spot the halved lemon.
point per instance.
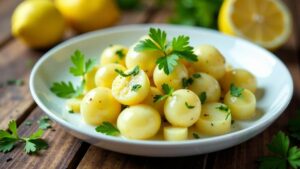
(265, 22)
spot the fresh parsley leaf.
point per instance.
(64, 90)
(134, 72)
(186, 82)
(158, 98)
(71, 111)
(44, 122)
(225, 109)
(136, 87)
(236, 91)
(158, 41)
(294, 126)
(202, 97)
(78, 59)
(33, 143)
(108, 129)
(189, 106)
(147, 44)
(282, 153)
(180, 46)
(120, 54)
(196, 135)
(168, 63)
(196, 75)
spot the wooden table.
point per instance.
(66, 151)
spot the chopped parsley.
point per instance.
(168, 91)
(196, 135)
(134, 72)
(202, 97)
(186, 82)
(196, 75)
(120, 53)
(225, 109)
(188, 106)
(136, 87)
(236, 91)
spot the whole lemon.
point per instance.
(38, 23)
(90, 15)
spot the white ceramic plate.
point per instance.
(274, 82)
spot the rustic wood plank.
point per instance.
(97, 158)
(62, 148)
(6, 10)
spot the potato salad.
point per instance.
(159, 87)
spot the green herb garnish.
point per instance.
(33, 143)
(225, 109)
(196, 75)
(134, 72)
(236, 91)
(202, 97)
(186, 82)
(136, 87)
(16, 82)
(168, 91)
(171, 52)
(196, 135)
(189, 106)
(44, 122)
(120, 54)
(108, 129)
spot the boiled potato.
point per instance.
(132, 89)
(208, 84)
(139, 122)
(106, 74)
(149, 100)
(175, 133)
(210, 61)
(238, 77)
(98, 106)
(215, 119)
(74, 104)
(146, 60)
(90, 79)
(183, 108)
(114, 54)
(174, 79)
(243, 106)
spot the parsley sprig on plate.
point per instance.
(283, 153)
(178, 48)
(168, 90)
(33, 143)
(108, 129)
(81, 66)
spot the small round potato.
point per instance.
(174, 79)
(98, 105)
(209, 85)
(139, 122)
(175, 133)
(215, 119)
(146, 60)
(210, 61)
(243, 106)
(149, 100)
(132, 89)
(106, 74)
(90, 79)
(183, 108)
(239, 77)
(114, 54)
(74, 104)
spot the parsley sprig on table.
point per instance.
(33, 143)
(108, 129)
(80, 68)
(294, 126)
(168, 90)
(178, 48)
(283, 153)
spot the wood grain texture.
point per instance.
(62, 148)
(97, 158)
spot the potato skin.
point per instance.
(177, 112)
(106, 74)
(242, 107)
(110, 55)
(210, 61)
(240, 78)
(98, 105)
(174, 79)
(213, 121)
(139, 122)
(207, 84)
